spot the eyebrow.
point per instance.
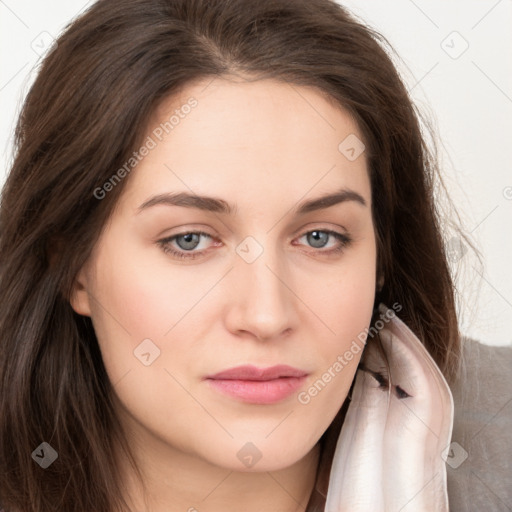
(217, 205)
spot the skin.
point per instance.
(266, 146)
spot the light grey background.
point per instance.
(456, 61)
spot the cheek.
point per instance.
(140, 298)
(344, 304)
(343, 299)
(143, 295)
(129, 306)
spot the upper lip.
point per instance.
(248, 372)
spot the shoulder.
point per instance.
(480, 469)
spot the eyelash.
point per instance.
(344, 242)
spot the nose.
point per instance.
(262, 301)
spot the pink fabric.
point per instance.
(391, 451)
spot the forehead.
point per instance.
(249, 138)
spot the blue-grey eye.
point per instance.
(318, 238)
(191, 241)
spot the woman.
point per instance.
(219, 246)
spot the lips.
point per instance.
(258, 385)
(248, 372)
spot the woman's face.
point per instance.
(271, 281)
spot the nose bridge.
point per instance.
(259, 266)
(263, 300)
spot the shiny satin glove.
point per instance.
(389, 455)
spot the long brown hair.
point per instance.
(82, 119)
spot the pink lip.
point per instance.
(258, 385)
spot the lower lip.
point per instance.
(258, 392)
